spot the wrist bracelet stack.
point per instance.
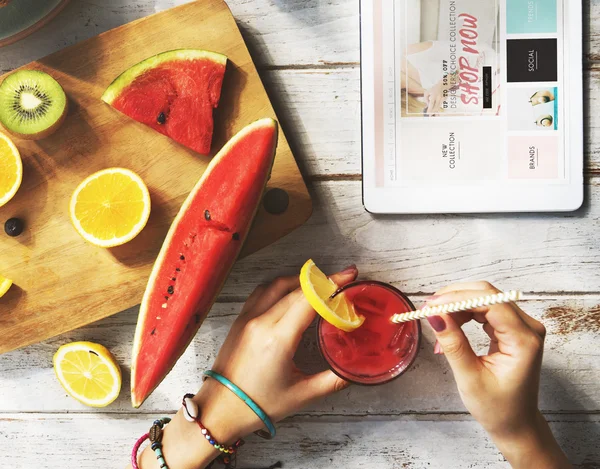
(191, 413)
(155, 437)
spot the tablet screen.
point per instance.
(468, 92)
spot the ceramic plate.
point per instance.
(20, 18)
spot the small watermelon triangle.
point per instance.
(175, 93)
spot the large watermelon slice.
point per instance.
(198, 253)
(174, 93)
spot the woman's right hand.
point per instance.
(499, 389)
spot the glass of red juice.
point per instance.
(379, 350)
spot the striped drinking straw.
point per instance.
(465, 305)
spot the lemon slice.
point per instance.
(5, 284)
(11, 169)
(88, 372)
(318, 289)
(110, 207)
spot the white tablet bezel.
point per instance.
(479, 198)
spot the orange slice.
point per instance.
(11, 169)
(110, 207)
(88, 372)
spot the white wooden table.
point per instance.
(308, 55)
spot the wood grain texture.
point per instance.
(569, 378)
(281, 33)
(61, 282)
(307, 52)
(534, 253)
(321, 111)
(405, 443)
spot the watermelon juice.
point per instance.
(379, 350)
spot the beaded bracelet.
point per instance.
(191, 413)
(155, 437)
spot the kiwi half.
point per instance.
(32, 104)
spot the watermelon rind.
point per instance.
(129, 75)
(137, 400)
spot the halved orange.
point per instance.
(110, 207)
(88, 372)
(11, 169)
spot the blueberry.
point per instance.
(14, 227)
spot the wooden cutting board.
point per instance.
(61, 282)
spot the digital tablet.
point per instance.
(471, 105)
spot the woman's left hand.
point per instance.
(258, 356)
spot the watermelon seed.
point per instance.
(153, 331)
(161, 118)
(170, 290)
(206, 215)
(173, 278)
(235, 236)
(167, 298)
(178, 269)
(182, 257)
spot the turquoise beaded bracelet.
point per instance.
(247, 400)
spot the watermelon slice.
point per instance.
(198, 253)
(174, 93)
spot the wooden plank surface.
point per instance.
(400, 443)
(535, 253)
(307, 52)
(569, 378)
(61, 281)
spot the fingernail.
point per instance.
(437, 323)
(437, 348)
(431, 298)
(349, 270)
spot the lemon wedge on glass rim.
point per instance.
(88, 372)
(319, 289)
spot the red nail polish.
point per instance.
(437, 323)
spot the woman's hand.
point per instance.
(258, 355)
(499, 389)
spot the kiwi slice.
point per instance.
(32, 104)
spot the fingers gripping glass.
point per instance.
(378, 351)
(248, 401)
